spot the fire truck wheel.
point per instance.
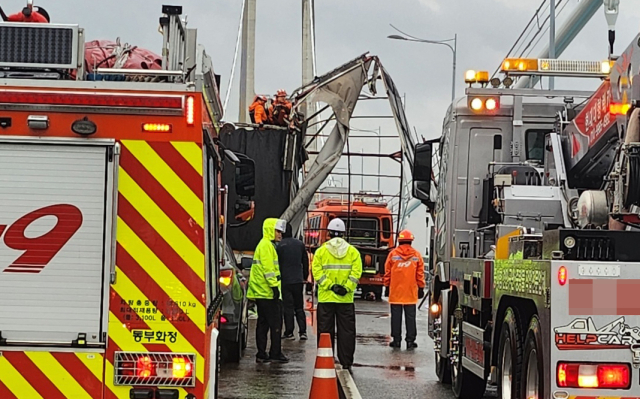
(443, 365)
(509, 357)
(532, 362)
(464, 383)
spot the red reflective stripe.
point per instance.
(80, 373)
(5, 393)
(180, 166)
(488, 278)
(162, 198)
(79, 99)
(30, 372)
(152, 290)
(157, 244)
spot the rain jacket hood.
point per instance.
(269, 229)
(337, 247)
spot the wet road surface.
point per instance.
(379, 371)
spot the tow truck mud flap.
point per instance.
(42, 374)
(444, 319)
(473, 356)
(595, 329)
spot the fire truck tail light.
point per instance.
(157, 128)
(154, 369)
(619, 109)
(605, 376)
(144, 367)
(190, 111)
(562, 275)
(181, 367)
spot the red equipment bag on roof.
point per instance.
(110, 54)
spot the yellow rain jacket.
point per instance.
(337, 262)
(265, 271)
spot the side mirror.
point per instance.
(245, 264)
(422, 170)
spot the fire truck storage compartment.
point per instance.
(55, 241)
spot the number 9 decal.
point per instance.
(39, 251)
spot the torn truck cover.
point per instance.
(340, 89)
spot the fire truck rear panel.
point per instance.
(115, 296)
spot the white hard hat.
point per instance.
(281, 225)
(337, 225)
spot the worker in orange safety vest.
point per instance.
(280, 109)
(257, 110)
(404, 277)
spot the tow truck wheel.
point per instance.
(464, 383)
(532, 362)
(509, 357)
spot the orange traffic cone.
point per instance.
(325, 383)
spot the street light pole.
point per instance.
(454, 50)
(455, 56)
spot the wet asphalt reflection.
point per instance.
(379, 371)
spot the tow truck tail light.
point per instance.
(619, 109)
(562, 275)
(605, 376)
(225, 277)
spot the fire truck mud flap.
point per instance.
(56, 235)
(595, 329)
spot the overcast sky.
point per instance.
(486, 29)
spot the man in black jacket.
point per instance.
(294, 271)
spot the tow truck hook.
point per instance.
(635, 348)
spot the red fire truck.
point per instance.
(369, 228)
(110, 220)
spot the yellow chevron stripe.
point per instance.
(128, 291)
(58, 375)
(170, 284)
(123, 338)
(161, 223)
(163, 173)
(93, 361)
(190, 151)
(121, 392)
(15, 381)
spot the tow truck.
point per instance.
(111, 218)
(536, 262)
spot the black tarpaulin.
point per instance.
(266, 148)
